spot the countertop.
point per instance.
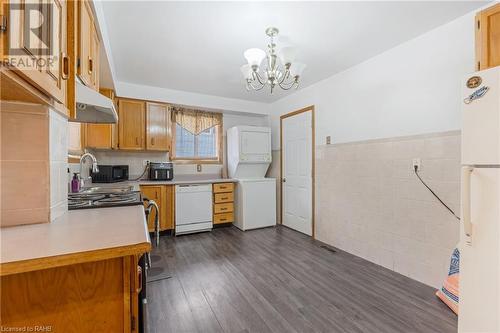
(189, 179)
(78, 236)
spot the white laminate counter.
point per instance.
(189, 179)
(81, 235)
(178, 180)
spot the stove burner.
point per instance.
(87, 197)
(85, 200)
(122, 195)
(114, 200)
(78, 203)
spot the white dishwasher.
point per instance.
(193, 208)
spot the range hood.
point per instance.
(92, 107)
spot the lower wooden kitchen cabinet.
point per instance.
(223, 203)
(97, 296)
(163, 195)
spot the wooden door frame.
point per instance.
(309, 108)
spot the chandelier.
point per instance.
(284, 73)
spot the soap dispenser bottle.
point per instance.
(75, 183)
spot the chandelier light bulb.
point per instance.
(287, 54)
(296, 69)
(254, 56)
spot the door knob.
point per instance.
(284, 180)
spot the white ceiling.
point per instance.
(198, 46)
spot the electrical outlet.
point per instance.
(145, 162)
(416, 163)
(198, 167)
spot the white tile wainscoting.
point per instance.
(58, 155)
(370, 203)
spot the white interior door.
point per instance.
(297, 172)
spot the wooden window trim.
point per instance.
(195, 160)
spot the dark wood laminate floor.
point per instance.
(278, 280)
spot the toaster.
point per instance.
(161, 171)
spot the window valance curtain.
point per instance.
(196, 121)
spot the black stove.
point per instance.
(101, 200)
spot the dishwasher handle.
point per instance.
(193, 188)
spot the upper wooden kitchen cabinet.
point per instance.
(158, 135)
(131, 124)
(94, 57)
(488, 38)
(101, 136)
(41, 60)
(88, 45)
(98, 136)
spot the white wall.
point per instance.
(207, 102)
(411, 89)
(231, 120)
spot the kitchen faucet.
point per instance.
(95, 169)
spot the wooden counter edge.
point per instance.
(72, 258)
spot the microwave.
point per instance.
(110, 174)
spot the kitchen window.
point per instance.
(197, 136)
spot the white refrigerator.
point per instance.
(479, 304)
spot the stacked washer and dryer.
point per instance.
(248, 158)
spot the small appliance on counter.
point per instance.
(161, 171)
(110, 174)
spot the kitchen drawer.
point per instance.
(223, 187)
(224, 197)
(223, 208)
(223, 218)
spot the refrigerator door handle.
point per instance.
(466, 203)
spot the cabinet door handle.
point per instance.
(152, 141)
(136, 140)
(91, 65)
(139, 278)
(223, 209)
(64, 66)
